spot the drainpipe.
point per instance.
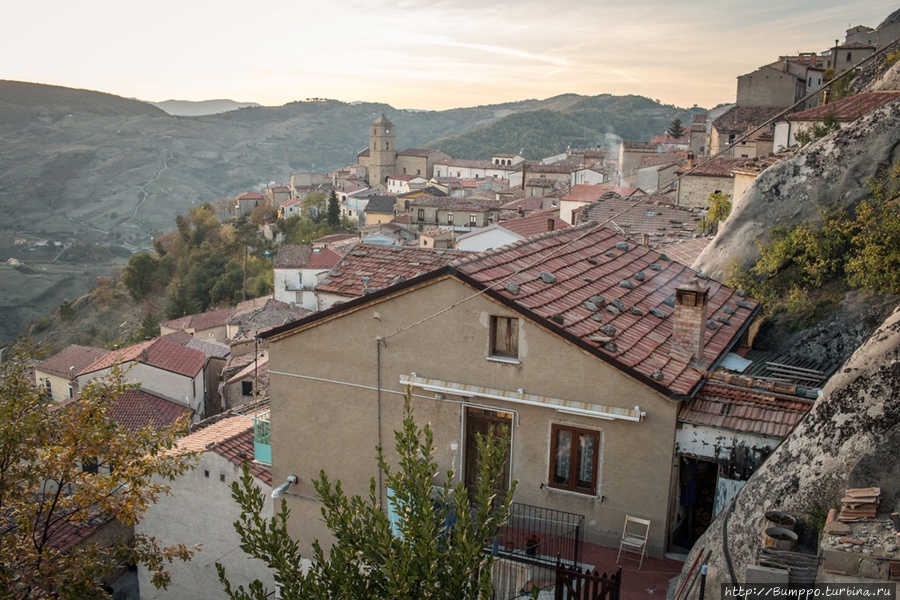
(379, 343)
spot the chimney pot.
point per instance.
(689, 320)
(551, 224)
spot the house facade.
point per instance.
(58, 374)
(711, 176)
(589, 396)
(297, 270)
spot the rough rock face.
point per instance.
(836, 338)
(793, 190)
(850, 438)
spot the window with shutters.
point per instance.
(505, 337)
(574, 454)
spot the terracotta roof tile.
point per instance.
(381, 203)
(467, 164)
(636, 146)
(686, 251)
(333, 238)
(175, 358)
(250, 196)
(449, 203)
(383, 266)
(528, 204)
(739, 405)
(305, 257)
(123, 355)
(73, 356)
(589, 261)
(848, 109)
(534, 224)
(635, 216)
(231, 438)
(584, 192)
(136, 408)
(201, 321)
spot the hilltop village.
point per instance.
(552, 300)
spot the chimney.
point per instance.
(551, 224)
(690, 160)
(689, 321)
(145, 355)
(645, 240)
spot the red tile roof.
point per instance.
(250, 196)
(588, 262)
(467, 164)
(334, 237)
(634, 146)
(848, 109)
(175, 358)
(636, 217)
(584, 192)
(161, 354)
(384, 266)
(136, 408)
(451, 203)
(201, 321)
(687, 250)
(231, 438)
(738, 404)
(528, 204)
(73, 356)
(305, 257)
(534, 224)
(404, 177)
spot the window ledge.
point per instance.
(587, 496)
(503, 359)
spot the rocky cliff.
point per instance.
(795, 189)
(850, 438)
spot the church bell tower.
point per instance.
(382, 151)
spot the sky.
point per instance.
(414, 54)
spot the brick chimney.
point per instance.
(690, 160)
(689, 321)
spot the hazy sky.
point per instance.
(414, 53)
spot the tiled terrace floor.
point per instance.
(651, 581)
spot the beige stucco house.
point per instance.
(579, 344)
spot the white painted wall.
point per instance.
(489, 237)
(59, 386)
(200, 510)
(178, 388)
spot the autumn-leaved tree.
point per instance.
(434, 549)
(65, 470)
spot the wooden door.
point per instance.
(482, 422)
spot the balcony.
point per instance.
(262, 439)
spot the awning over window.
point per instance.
(587, 409)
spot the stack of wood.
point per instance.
(859, 504)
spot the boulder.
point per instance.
(830, 170)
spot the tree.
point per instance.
(313, 206)
(719, 206)
(418, 556)
(334, 210)
(675, 129)
(148, 330)
(63, 467)
(66, 312)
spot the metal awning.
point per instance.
(598, 411)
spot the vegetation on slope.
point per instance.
(804, 272)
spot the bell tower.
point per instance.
(382, 151)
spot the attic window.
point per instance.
(505, 337)
(246, 388)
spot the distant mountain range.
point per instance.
(188, 108)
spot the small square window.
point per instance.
(421, 214)
(247, 388)
(221, 476)
(505, 337)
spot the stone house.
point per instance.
(770, 85)
(400, 183)
(249, 384)
(740, 121)
(58, 374)
(210, 325)
(419, 161)
(711, 176)
(245, 203)
(580, 345)
(437, 237)
(631, 155)
(566, 172)
(199, 509)
(582, 195)
(297, 270)
(846, 56)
